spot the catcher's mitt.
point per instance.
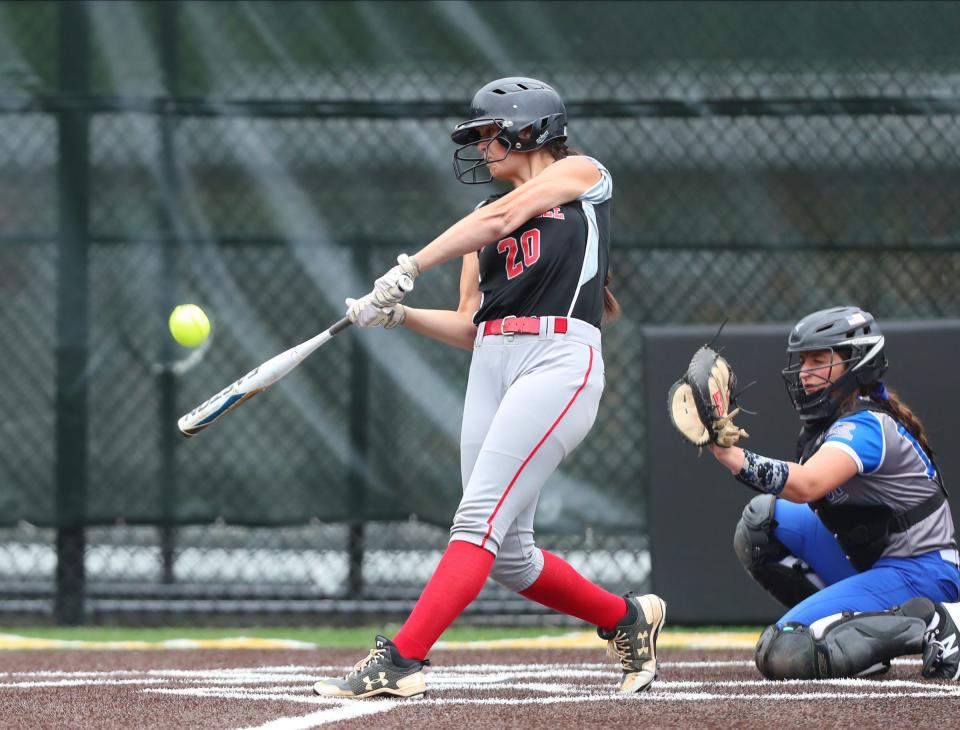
(701, 404)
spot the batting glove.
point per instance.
(390, 288)
(363, 312)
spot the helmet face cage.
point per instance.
(469, 163)
(848, 331)
(529, 114)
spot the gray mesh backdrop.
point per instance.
(265, 160)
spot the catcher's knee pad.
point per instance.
(766, 559)
(787, 652)
(842, 645)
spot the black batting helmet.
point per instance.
(511, 106)
(855, 336)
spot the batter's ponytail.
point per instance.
(558, 149)
(611, 307)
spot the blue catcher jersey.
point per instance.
(554, 264)
(893, 471)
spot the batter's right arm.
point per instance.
(452, 327)
(560, 183)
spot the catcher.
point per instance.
(855, 537)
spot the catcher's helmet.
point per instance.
(855, 336)
(511, 105)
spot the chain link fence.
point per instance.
(265, 160)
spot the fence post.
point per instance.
(72, 358)
(359, 446)
(169, 291)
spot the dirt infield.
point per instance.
(515, 688)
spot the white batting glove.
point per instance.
(390, 288)
(363, 312)
(395, 316)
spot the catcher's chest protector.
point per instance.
(902, 478)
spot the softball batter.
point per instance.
(878, 530)
(532, 296)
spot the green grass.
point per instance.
(713, 629)
(322, 636)
(328, 637)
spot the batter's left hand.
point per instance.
(390, 288)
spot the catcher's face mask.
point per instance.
(849, 332)
(819, 382)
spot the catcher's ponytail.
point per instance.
(611, 307)
(891, 402)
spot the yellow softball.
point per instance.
(189, 325)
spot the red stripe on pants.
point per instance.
(526, 461)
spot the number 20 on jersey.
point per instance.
(529, 247)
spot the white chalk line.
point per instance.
(655, 696)
(571, 693)
(286, 669)
(319, 670)
(445, 684)
(283, 682)
(346, 711)
(78, 683)
(475, 676)
(852, 682)
(233, 693)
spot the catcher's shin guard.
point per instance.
(766, 559)
(849, 645)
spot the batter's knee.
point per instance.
(469, 528)
(766, 559)
(517, 572)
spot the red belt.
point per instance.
(521, 326)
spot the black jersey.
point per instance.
(554, 264)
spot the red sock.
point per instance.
(459, 576)
(563, 589)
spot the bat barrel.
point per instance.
(258, 379)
